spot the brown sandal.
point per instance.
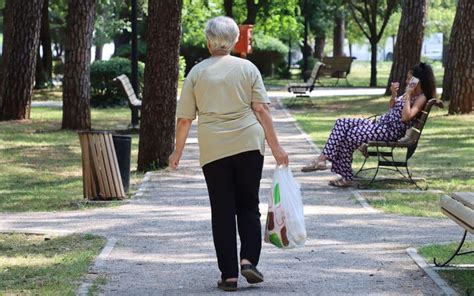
(315, 165)
(341, 183)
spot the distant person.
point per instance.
(228, 95)
(349, 133)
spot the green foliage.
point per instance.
(105, 92)
(268, 54)
(58, 67)
(195, 13)
(268, 43)
(125, 51)
(107, 22)
(441, 17)
(182, 68)
(281, 20)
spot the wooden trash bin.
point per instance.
(100, 169)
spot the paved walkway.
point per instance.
(164, 244)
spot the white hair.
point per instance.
(222, 33)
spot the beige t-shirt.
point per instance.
(220, 91)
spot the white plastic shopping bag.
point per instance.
(285, 220)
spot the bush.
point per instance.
(182, 68)
(192, 55)
(268, 54)
(125, 51)
(105, 92)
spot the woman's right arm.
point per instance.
(393, 89)
(182, 130)
(262, 112)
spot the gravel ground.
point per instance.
(164, 243)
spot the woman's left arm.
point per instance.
(409, 112)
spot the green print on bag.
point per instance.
(275, 228)
(276, 194)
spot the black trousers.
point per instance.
(233, 183)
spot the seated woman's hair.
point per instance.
(222, 33)
(424, 72)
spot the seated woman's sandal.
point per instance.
(341, 183)
(315, 165)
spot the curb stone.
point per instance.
(413, 253)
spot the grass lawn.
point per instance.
(47, 94)
(359, 76)
(443, 156)
(33, 265)
(460, 279)
(40, 165)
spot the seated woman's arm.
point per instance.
(409, 112)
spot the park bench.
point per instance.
(134, 102)
(305, 88)
(460, 208)
(336, 67)
(386, 159)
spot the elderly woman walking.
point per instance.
(228, 96)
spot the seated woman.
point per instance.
(349, 133)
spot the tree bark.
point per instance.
(319, 44)
(44, 63)
(99, 49)
(373, 63)
(339, 33)
(228, 7)
(253, 9)
(76, 82)
(407, 50)
(458, 86)
(7, 40)
(157, 127)
(23, 24)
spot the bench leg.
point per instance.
(456, 253)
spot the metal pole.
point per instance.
(134, 81)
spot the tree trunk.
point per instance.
(76, 82)
(123, 38)
(319, 44)
(45, 37)
(157, 127)
(99, 49)
(228, 6)
(407, 49)
(445, 54)
(373, 63)
(339, 33)
(7, 32)
(306, 50)
(289, 57)
(252, 10)
(366, 15)
(458, 84)
(19, 73)
(44, 62)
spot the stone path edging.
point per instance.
(412, 252)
